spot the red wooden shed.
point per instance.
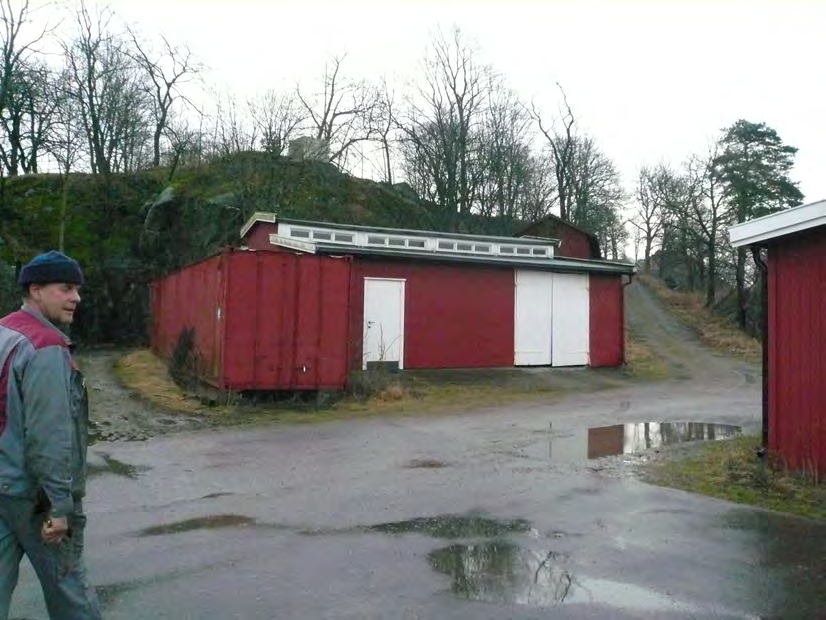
(573, 241)
(302, 304)
(795, 395)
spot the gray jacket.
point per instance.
(44, 413)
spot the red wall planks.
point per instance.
(191, 298)
(258, 238)
(287, 322)
(455, 316)
(282, 323)
(797, 364)
(607, 330)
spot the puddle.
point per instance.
(455, 526)
(425, 464)
(505, 573)
(593, 443)
(115, 467)
(198, 523)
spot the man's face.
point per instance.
(56, 301)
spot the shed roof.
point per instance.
(271, 218)
(780, 224)
(550, 264)
(432, 253)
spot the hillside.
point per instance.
(135, 227)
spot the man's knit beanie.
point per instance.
(51, 267)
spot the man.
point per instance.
(43, 438)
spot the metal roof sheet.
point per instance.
(548, 264)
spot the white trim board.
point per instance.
(258, 216)
(293, 244)
(779, 224)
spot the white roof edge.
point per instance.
(258, 216)
(779, 224)
(293, 244)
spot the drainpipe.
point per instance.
(764, 342)
(624, 328)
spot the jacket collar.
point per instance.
(46, 322)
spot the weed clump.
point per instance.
(731, 470)
(183, 364)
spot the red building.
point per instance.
(795, 361)
(573, 241)
(302, 304)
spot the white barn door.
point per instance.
(571, 320)
(383, 320)
(532, 325)
(551, 319)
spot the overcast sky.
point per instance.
(650, 80)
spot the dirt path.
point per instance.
(679, 347)
(117, 413)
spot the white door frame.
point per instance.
(397, 342)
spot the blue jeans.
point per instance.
(59, 568)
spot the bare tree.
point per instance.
(615, 236)
(166, 72)
(682, 250)
(647, 220)
(706, 210)
(65, 142)
(23, 86)
(539, 197)
(443, 124)
(231, 132)
(594, 184)
(343, 113)
(185, 144)
(112, 99)
(561, 142)
(276, 118)
(386, 123)
(506, 156)
(27, 117)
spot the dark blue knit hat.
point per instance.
(50, 267)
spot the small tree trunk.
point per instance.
(64, 203)
(711, 286)
(647, 265)
(740, 278)
(389, 176)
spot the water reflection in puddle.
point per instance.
(592, 443)
(455, 526)
(503, 572)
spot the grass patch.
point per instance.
(377, 393)
(148, 375)
(641, 362)
(443, 392)
(730, 470)
(715, 331)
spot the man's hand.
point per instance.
(54, 529)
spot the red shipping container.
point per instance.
(262, 320)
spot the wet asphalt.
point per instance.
(472, 515)
(458, 517)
